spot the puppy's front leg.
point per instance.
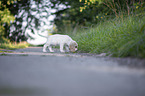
(61, 48)
(67, 48)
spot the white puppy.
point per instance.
(61, 40)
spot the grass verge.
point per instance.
(120, 37)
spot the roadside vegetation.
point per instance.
(119, 37)
(6, 44)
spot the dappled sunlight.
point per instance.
(13, 45)
(36, 37)
(37, 41)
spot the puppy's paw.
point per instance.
(51, 51)
(44, 51)
(62, 51)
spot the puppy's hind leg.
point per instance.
(50, 48)
(44, 48)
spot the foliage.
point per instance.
(116, 6)
(70, 14)
(27, 14)
(117, 37)
(4, 40)
(89, 12)
(5, 16)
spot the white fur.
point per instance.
(61, 40)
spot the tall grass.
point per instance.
(119, 37)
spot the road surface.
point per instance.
(29, 72)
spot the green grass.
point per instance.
(6, 44)
(120, 37)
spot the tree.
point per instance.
(117, 7)
(27, 15)
(5, 16)
(70, 13)
(88, 12)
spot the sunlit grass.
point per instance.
(6, 44)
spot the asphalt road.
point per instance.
(29, 72)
